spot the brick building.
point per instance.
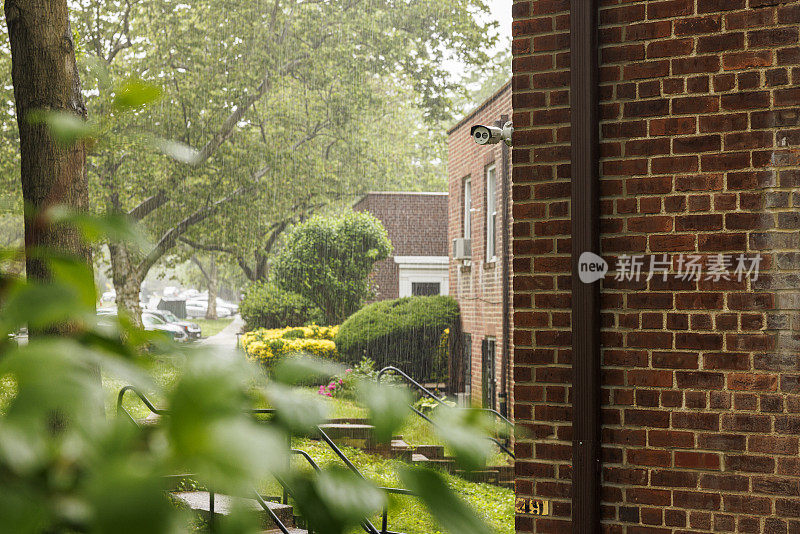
(417, 227)
(698, 130)
(478, 251)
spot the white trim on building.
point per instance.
(420, 270)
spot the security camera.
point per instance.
(491, 135)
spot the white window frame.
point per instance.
(491, 213)
(467, 199)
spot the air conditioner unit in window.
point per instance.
(462, 249)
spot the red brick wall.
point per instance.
(417, 226)
(477, 284)
(699, 145)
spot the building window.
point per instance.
(425, 289)
(467, 208)
(491, 212)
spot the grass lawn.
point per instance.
(212, 327)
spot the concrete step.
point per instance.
(433, 452)
(400, 449)
(223, 504)
(353, 435)
(348, 421)
(506, 472)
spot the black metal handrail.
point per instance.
(160, 411)
(366, 525)
(441, 402)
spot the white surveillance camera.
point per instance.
(491, 135)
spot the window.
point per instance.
(425, 289)
(491, 212)
(467, 208)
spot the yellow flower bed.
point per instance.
(267, 346)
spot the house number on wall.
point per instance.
(532, 507)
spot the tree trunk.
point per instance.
(127, 282)
(46, 78)
(213, 288)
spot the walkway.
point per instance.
(227, 337)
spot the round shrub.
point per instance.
(267, 306)
(406, 333)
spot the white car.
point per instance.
(152, 322)
(192, 329)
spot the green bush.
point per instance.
(266, 306)
(406, 333)
(328, 260)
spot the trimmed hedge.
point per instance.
(267, 306)
(406, 333)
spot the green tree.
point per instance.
(328, 261)
(291, 106)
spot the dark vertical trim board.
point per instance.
(506, 282)
(585, 297)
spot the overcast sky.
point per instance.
(501, 12)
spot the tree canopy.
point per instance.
(275, 109)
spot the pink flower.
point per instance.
(348, 370)
(341, 382)
(328, 394)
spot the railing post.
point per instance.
(211, 511)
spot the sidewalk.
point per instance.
(227, 337)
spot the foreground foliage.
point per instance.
(66, 467)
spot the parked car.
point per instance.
(197, 307)
(153, 322)
(193, 330)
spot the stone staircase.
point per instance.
(359, 433)
(199, 501)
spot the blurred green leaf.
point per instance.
(298, 411)
(42, 305)
(452, 514)
(23, 509)
(302, 369)
(388, 408)
(114, 227)
(178, 151)
(66, 128)
(98, 70)
(466, 433)
(77, 276)
(134, 94)
(335, 500)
